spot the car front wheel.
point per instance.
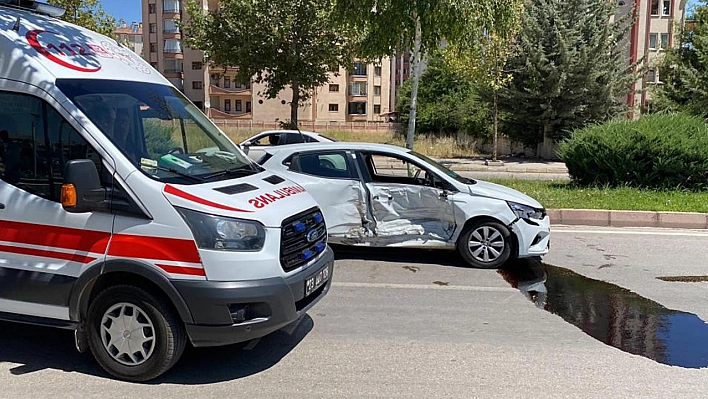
(134, 335)
(485, 244)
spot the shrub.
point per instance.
(662, 151)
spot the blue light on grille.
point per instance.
(320, 247)
(317, 217)
(299, 227)
(308, 254)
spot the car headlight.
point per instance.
(222, 233)
(527, 212)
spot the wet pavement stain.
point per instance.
(414, 269)
(441, 282)
(612, 314)
(684, 279)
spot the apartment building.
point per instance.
(362, 94)
(132, 35)
(657, 24)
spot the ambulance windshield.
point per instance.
(159, 130)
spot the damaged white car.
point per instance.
(385, 196)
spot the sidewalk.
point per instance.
(508, 168)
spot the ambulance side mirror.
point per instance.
(82, 191)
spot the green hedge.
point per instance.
(663, 151)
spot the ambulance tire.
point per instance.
(154, 324)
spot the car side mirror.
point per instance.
(82, 191)
(245, 147)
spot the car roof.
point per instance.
(338, 145)
(288, 131)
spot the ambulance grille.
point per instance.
(302, 238)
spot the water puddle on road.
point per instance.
(613, 315)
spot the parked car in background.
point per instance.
(382, 195)
(255, 146)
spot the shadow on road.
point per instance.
(38, 348)
(399, 255)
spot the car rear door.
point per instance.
(330, 177)
(406, 200)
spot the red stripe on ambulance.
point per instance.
(47, 254)
(160, 248)
(53, 236)
(184, 195)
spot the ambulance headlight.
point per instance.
(222, 233)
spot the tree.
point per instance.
(89, 14)
(387, 25)
(684, 71)
(280, 43)
(569, 69)
(482, 56)
(447, 103)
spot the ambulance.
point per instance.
(127, 216)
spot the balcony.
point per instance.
(215, 89)
(171, 34)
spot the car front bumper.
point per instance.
(227, 312)
(534, 236)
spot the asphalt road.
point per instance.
(415, 323)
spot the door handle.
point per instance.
(388, 197)
(2, 206)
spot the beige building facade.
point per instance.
(362, 94)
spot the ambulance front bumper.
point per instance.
(227, 312)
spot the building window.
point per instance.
(171, 6)
(196, 65)
(199, 104)
(197, 85)
(173, 65)
(227, 84)
(664, 40)
(357, 89)
(377, 70)
(377, 90)
(152, 9)
(666, 9)
(334, 108)
(651, 76)
(333, 88)
(153, 28)
(377, 109)
(654, 7)
(173, 46)
(153, 64)
(359, 69)
(357, 108)
(334, 68)
(248, 106)
(652, 41)
(238, 106)
(227, 105)
(153, 47)
(169, 26)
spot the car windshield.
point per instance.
(159, 130)
(443, 169)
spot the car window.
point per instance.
(267, 140)
(330, 165)
(391, 169)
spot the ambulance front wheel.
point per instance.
(134, 335)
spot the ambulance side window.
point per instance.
(35, 144)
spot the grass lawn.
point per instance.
(557, 195)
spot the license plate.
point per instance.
(316, 281)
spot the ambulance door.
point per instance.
(43, 248)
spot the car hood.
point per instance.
(263, 197)
(497, 191)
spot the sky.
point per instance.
(129, 10)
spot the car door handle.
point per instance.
(388, 197)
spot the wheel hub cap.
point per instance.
(128, 334)
(486, 244)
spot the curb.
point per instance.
(607, 218)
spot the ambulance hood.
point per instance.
(44, 49)
(263, 197)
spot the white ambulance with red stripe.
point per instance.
(127, 216)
